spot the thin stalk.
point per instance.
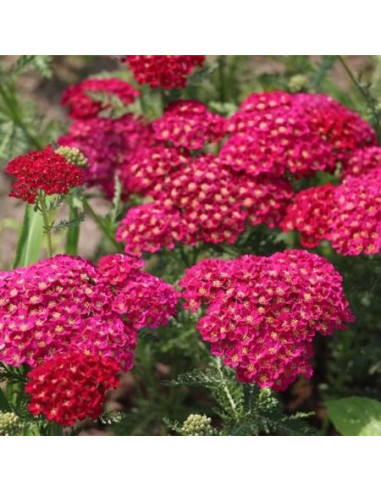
(225, 387)
(47, 225)
(221, 77)
(73, 232)
(101, 225)
(368, 98)
(352, 77)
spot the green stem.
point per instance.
(101, 225)
(367, 96)
(225, 386)
(221, 75)
(352, 77)
(73, 232)
(47, 225)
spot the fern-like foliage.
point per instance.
(243, 409)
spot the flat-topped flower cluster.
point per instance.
(262, 313)
(65, 305)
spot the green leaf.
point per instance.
(355, 416)
(4, 405)
(30, 240)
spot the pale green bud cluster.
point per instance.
(73, 155)
(197, 425)
(10, 424)
(297, 83)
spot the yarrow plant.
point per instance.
(70, 387)
(206, 190)
(264, 312)
(67, 303)
(347, 215)
(42, 170)
(167, 71)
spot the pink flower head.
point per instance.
(203, 200)
(256, 104)
(151, 166)
(42, 170)
(348, 215)
(65, 303)
(264, 312)
(340, 127)
(148, 227)
(361, 161)
(167, 71)
(277, 132)
(309, 213)
(82, 105)
(355, 221)
(189, 124)
(264, 198)
(109, 146)
(278, 141)
(205, 195)
(71, 387)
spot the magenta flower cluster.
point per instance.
(66, 303)
(202, 200)
(348, 215)
(262, 313)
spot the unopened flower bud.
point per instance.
(72, 155)
(297, 83)
(197, 425)
(10, 424)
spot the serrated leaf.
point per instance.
(355, 416)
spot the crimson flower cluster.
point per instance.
(348, 215)
(355, 220)
(189, 124)
(277, 133)
(262, 313)
(202, 200)
(150, 166)
(66, 303)
(309, 213)
(362, 161)
(43, 170)
(82, 105)
(167, 71)
(70, 387)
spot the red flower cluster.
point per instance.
(278, 132)
(348, 215)
(150, 166)
(66, 303)
(189, 124)
(263, 312)
(342, 128)
(71, 387)
(362, 161)
(149, 227)
(309, 214)
(110, 146)
(355, 219)
(202, 201)
(167, 71)
(82, 105)
(43, 170)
